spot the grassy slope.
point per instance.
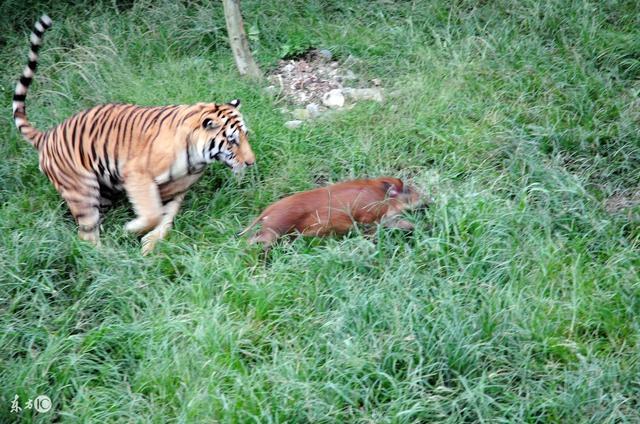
(516, 299)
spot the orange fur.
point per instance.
(154, 154)
(334, 209)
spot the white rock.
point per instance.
(333, 98)
(301, 114)
(289, 68)
(395, 93)
(293, 124)
(325, 54)
(364, 94)
(313, 109)
(348, 75)
(334, 113)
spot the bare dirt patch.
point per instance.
(308, 78)
(314, 83)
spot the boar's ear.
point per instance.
(390, 189)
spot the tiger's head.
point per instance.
(221, 135)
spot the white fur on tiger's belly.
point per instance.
(178, 169)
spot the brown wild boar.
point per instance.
(336, 208)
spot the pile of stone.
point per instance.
(316, 84)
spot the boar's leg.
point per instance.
(402, 224)
(265, 236)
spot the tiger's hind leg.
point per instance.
(84, 206)
(145, 198)
(105, 202)
(169, 212)
(89, 225)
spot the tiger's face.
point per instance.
(222, 136)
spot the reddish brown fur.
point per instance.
(334, 209)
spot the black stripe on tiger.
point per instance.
(26, 81)
(30, 133)
(45, 21)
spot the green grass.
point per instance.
(516, 299)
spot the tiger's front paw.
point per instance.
(141, 224)
(150, 240)
(92, 237)
(149, 243)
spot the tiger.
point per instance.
(151, 153)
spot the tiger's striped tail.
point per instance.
(30, 133)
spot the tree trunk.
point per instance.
(238, 40)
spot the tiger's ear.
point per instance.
(235, 103)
